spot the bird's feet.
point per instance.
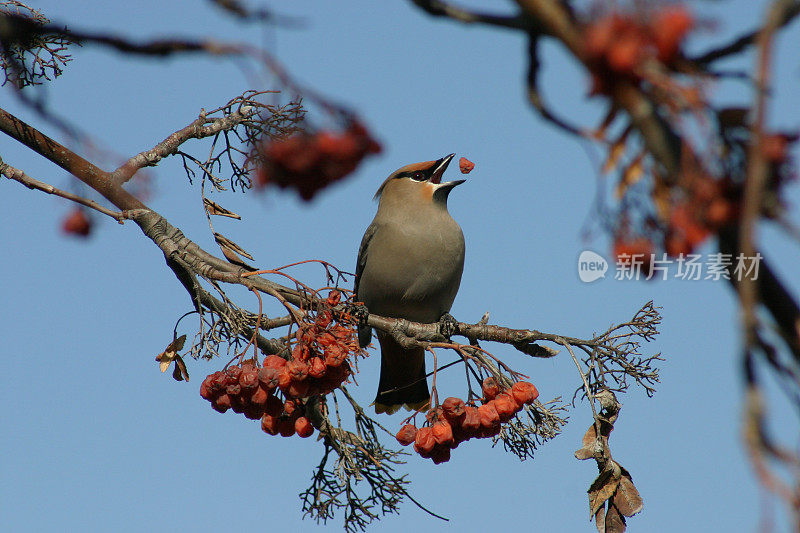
(448, 325)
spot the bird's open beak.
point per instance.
(439, 167)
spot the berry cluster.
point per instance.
(455, 421)
(319, 363)
(309, 162)
(620, 43)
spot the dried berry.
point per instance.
(274, 406)
(488, 415)
(303, 427)
(268, 377)
(505, 405)
(259, 397)
(274, 361)
(333, 298)
(440, 454)
(407, 434)
(298, 370)
(424, 441)
(248, 380)
(77, 223)
(442, 433)
(472, 420)
(222, 403)
(286, 427)
(453, 409)
(297, 389)
(317, 368)
(490, 388)
(465, 165)
(269, 424)
(524, 392)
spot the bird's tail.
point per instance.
(403, 382)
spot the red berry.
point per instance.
(317, 368)
(490, 388)
(488, 415)
(472, 419)
(442, 433)
(303, 427)
(269, 424)
(524, 392)
(298, 389)
(286, 427)
(505, 405)
(424, 441)
(248, 380)
(453, 409)
(407, 434)
(268, 377)
(222, 403)
(298, 370)
(465, 165)
(274, 406)
(284, 379)
(259, 397)
(274, 361)
(232, 374)
(77, 223)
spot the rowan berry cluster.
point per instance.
(309, 162)
(620, 43)
(276, 391)
(456, 421)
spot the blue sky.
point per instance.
(95, 438)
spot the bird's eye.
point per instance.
(418, 176)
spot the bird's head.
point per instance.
(418, 182)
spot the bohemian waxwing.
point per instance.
(409, 266)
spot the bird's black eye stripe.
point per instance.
(416, 175)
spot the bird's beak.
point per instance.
(439, 167)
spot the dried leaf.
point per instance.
(213, 208)
(631, 175)
(602, 489)
(615, 522)
(180, 373)
(170, 352)
(600, 520)
(627, 498)
(230, 249)
(587, 451)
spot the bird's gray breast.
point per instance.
(413, 269)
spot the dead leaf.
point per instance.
(587, 451)
(602, 489)
(627, 498)
(213, 208)
(170, 352)
(180, 373)
(224, 243)
(600, 520)
(615, 522)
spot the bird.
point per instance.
(409, 266)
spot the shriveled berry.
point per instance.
(505, 405)
(268, 377)
(206, 391)
(259, 397)
(303, 427)
(232, 374)
(490, 388)
(221, 403)
(465, 165)
(488, 415)
(233, 390)
(298, 389)
(269, 424)
(424, 441)
(472, 420)
(274, 361)
(524, 392)
(453, 409)
(248, 380)
(284, 378)
(407, 434)
(253, 412)
(298, 370)
(317, 368)
(442, 433)
(77, 223)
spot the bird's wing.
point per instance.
(362, 254)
